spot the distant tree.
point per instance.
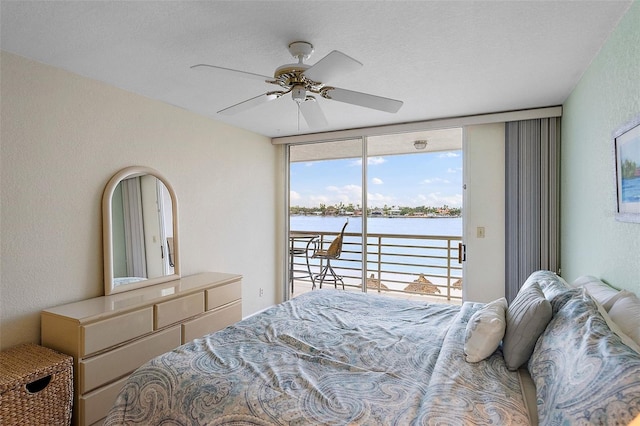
(404, 210)
(629, 169)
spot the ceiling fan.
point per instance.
(303, 81)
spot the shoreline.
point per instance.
(378, 216)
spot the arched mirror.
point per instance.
(140, 230)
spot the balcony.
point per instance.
(425, 267)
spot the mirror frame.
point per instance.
(107, 229)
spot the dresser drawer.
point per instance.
(113, 331)
(223, 294)
(102, 369)
(210, 322)
(176, 310)
(95, 406)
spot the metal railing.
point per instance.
(396, 263)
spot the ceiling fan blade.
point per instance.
(237, 73)
(313, 114)
(249, 103)
(362, 99)
(331, 66)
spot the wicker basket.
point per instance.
(36, 386)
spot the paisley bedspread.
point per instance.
(327, 357)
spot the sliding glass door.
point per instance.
(414, 225)
(401, 196)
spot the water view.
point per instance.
(413, 198)
(403, 253)
(449, 226)
(631, 190)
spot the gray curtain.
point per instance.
(532, 199)
(134, 228)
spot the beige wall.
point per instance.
(63, 136)
(607, 96)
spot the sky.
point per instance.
(630, 148)
(432, 179)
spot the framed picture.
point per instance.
(626, 141)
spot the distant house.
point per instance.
(331, 211)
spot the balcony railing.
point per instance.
(397, 264)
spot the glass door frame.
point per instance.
(364, 141)
(287, 178)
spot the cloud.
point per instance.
(435, 180)
(436, 199)
(346, 188)
(450, 170)
(377, 181)
(347, 194)
(316, 200)
(372, 161)
(449, 155)
(378, 200)
(294, 196)
(354, 192)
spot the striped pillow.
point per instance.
(527, 317)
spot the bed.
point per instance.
(335, 357)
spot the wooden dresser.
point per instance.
(109, 337)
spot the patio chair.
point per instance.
(333, 252)
(299, 245)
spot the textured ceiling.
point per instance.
(443, 59)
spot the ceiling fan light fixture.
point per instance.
(420, 144)
(299, 94)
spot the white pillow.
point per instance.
(626, 313)
(602, 293)
(616, 329)
(485, 330)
